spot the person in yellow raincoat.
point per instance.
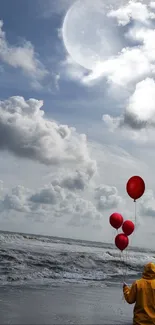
(142, 293)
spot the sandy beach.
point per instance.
(67, 304)
(45, 280)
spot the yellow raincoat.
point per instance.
(142, 293)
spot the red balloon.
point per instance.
(116, 220)
(121, 241)
(128, 227)
(135, 187)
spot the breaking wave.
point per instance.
(30, 258)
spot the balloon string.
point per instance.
(135, 212)
(122, 266)
(126, 262)
(124, 272)
(125, 268)
(121, 270)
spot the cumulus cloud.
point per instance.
(133, 68)
(139, 114)
(71, 70)
(23, 57)
(132, 11)
(50, 201)
(77, 181)
(83, 213)
(58, 201)
(145, 36)
(16, 200)
(132, 64)
(135, 61)
(138, 61)
(107, 197)
(25, 132)
(140, 110)
(48, 195)
(147, 206)
(82, 207)
(119, 70)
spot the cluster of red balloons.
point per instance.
(116, 221)
(135, 188)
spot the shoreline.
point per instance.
(69, 304)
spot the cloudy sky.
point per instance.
(77, 116)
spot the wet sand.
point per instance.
(66, 304)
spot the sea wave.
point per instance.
(30, 258)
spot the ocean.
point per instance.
(32, 259)
(54, 280)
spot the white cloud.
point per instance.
(119, 70)
(145, 36)
(74, 181)
(139, 114)
(84, 213)
(133, 68)
(53, 201)
(140, 111)
(23, 57)
(152, 4)
(133, 10)
(71, 70)
(141, 104)
(48, 195)
(107, 197)
(147, 206)
(133, 63)
(16, 200)
(26, 133)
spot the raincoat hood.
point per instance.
(149, 271)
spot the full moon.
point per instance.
(89, 36)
